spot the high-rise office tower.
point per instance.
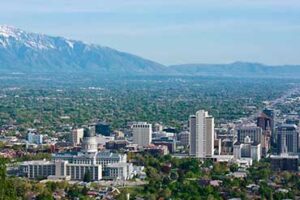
(203, 138)
(142, 133)
(287, 139)
(192, 129)
(266, 121)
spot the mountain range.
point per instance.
(26, 52)
(239, 69)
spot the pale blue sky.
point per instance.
(171, 31)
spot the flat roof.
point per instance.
(37, 162)
(281, 156)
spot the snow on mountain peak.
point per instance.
(31, 40)
(70, 43)
(11, 35)
(9, 31)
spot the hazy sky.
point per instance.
(171, 31)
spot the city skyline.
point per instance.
(161, 99)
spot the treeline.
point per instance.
(188, 178)
(169, 100)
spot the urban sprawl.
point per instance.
(95, 153)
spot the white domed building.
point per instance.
(89, 162)
(89, 145)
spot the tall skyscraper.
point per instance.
(287, 139)
(266, 121)
(202, 140)
(192, 129)
(142, 133)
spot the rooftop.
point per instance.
(281, 156)
(120, 164)
(37, 162)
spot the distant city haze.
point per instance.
(171, 31)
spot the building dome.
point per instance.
(89, 145)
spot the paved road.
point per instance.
(271, 104)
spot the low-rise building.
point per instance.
(75, 165)
(157, 150)
(37, 169)
(166, 141)
(116, 144)
(284, 162)
(247, 150)
(34, 137)
(60, 170)
(223, 158)
(184, 138)
(121, 171)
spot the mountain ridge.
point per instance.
(26, 52)
(31, 52)
(238, 69)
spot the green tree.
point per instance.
(166, 193)
(7, 189)
(46, 195)
(166, 180)
(153, 174)
(2, 177)
(84, 190)
(87, 176)
(234, 167)
(52, 186)
(74, 191)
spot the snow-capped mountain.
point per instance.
(21, 51)
(11, 35)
